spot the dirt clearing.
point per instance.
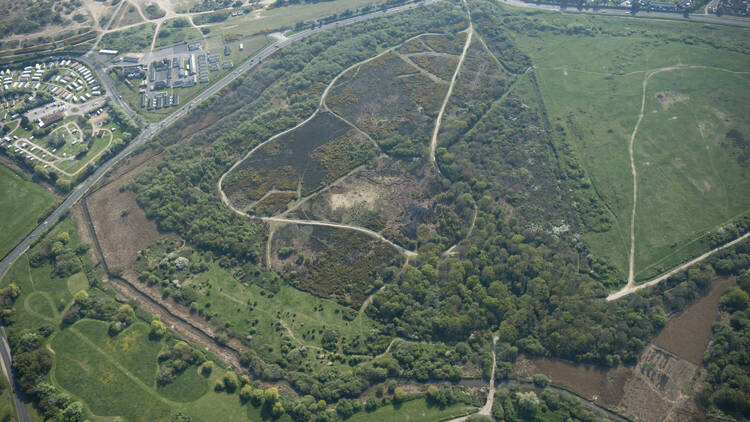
(687, 334)
(121, 225)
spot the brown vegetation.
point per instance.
(121, 225)
(340, 264)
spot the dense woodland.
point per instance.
(728, 380)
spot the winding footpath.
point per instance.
(486, 410)
(438, 121)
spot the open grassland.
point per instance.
(131, 348)
(109, 388)
(262, 21)
(413, 411)
(690, 178)
(134, 39)
(592, 89)
(176, 31)
(115, 376)
(21, 204)
(270, 316)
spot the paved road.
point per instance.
(21, 411)
(726, 20)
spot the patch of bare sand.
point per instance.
(667, 98)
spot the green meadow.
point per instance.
(690, 182)
(21, 203)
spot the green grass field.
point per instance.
(115, 377)
(285, 17)
(413, 411)
(134, 39)
(300, 312)
(592, 88)
(85, 369)
(22, 203)
(176, 31)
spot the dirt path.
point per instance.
(322, 107)
(368, 232)
(433, 143)
(487, 408)
(452, 250)
(156, 34)
(634, 288)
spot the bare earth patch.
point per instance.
(687, 334)
(667, 98)
(121, 225)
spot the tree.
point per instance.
(256, 396)
(81, 298)
(63, 237)
(735, 300)
(73, 412)
(116, 271)
(231, 381)
(125, 314)
(528, 404)
(277, 409)
(207, 367)
(158, 329)
(271, 395)
(246, 392)
(399, 395)
(540, 380)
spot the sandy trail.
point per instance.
(433, 142)
(487, 408)
(634, 288)
(368, 232)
